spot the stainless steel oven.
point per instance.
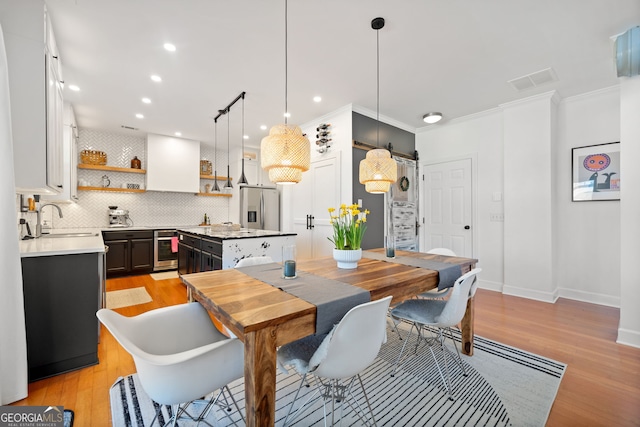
(164, 258)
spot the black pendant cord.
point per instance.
(216, 187)
(243, 178)
(286, 64)
(228, 185)
(378, 88)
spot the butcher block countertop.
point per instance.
(49, 246)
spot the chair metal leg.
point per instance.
(397, 364)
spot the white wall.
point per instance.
(478, 137)
(579, 271)
(587, 233)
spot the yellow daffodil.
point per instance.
(349, 226)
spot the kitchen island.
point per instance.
(63, 282)
(201, 249)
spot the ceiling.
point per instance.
(453, 56)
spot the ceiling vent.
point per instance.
(128, 127)
(534, 79)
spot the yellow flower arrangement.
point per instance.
(349, 226)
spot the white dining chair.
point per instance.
(336, 359)
(441, 315)
(256, 260)
(180, 356)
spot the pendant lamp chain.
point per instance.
(216, 187)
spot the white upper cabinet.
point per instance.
(173, 164)
(69, 192)
(35, 86)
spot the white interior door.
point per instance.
(447, 210)
(312, 197)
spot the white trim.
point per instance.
(490, 286)
(590, 297)
(549, 297)
(552, 95)
(628, 337)
(314, 123)
(384, 119)
(604, 91)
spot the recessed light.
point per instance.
(245, 136)
(287, 114)
(156, 78)
(170, 47)
(146, 100)
(263, 127)
(317, 99)
(178, 133)
(432, 118)
(74, 88)
(140, 116)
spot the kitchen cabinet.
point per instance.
(189, 253)
(35, 84)
(211, 258)
(314, 195)
(69, 192)
(173, 164)
(130, 252)
(61, 296)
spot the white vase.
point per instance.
(347, 258)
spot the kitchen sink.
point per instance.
(61, 235)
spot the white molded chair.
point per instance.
(256, 260)
(335, 360)
(179, 354)
(441, 315)
(435, 293)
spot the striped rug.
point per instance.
(505, 386)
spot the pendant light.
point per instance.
(378, 170)
(228, 186)
(216, 187)
(243, 178)
(285, 153)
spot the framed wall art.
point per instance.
(596, 172)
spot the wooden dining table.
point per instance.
(264, 317)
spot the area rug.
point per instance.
(165, 275)
(127, 297)
(505, 387)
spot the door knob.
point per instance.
(466, 227)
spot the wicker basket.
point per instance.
(93, 157)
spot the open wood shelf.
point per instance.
(113, 190)
(217, 177)
(214, 194)
(110, 168)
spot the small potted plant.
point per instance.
(349, 226)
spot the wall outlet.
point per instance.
(496, 217)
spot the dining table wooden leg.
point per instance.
(466, 326)
(260, 377)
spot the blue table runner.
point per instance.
(447, 273)
(333, 299)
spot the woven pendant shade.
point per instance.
(285, 154)
(378, 171)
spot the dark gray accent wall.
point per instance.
(364, 130)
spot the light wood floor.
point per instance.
(601, 386)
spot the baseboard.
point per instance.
(490, 286)
(589, 297)
(549, 297)
(628, 337)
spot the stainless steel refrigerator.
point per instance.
(260, 207)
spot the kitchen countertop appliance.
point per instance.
(260, 207)
(119, 218)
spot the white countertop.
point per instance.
(48, 246)
(243, 233)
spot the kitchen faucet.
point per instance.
(39, 217)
